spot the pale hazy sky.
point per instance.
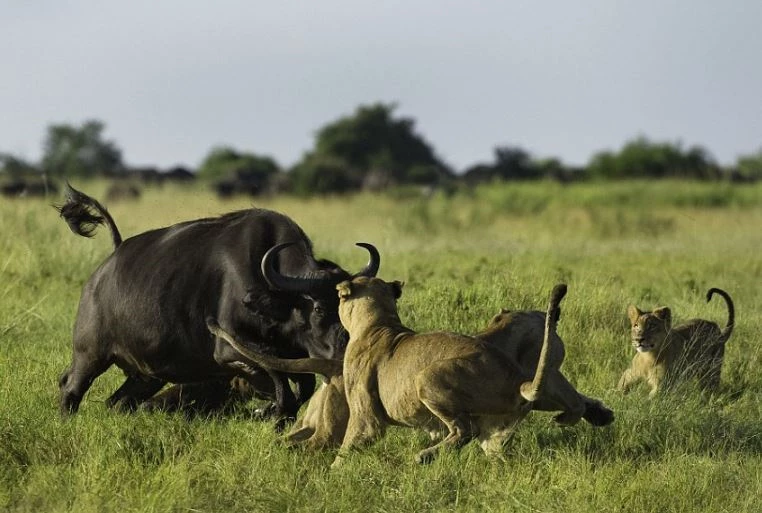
(566, 78)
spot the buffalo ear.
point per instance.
(633, 313)
(345, 289)
(397, 288)
(663, 313)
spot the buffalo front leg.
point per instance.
(285, 407)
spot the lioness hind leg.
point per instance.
(460, 428)
(710, 378)
(559, 394)
(496, 432)
(460, 432)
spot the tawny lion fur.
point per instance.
(518, 334)
(432, 381)
(666, 355)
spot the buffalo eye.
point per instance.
(319, 310)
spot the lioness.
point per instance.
(518, 334)
(434, 381)
(666, 355)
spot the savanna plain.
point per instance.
(462, 257)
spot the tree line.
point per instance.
(371, 149)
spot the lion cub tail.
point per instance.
(531, 390)
(323, 366)
(728, 329)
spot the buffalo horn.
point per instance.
(278, 281)
(305, 283)
(371, 269)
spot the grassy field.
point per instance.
(462, 258)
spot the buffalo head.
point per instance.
(314, 318)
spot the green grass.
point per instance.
(462, 258)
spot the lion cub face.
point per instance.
(367, 301)
(649, 329)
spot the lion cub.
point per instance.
(432, 381)
(666, 354)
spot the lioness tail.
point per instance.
(531, 390)
(323, 366)
(83, 214)
(728, 329)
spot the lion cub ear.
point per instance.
(633, 313)
(397, 288)
(345, 289)
(663, 313)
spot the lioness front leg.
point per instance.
(627, 380)
(360, 431)
(655, 380)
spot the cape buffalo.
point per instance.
(144, 308)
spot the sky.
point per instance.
(171, 79)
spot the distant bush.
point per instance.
(642, 158)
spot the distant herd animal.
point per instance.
(238, 306)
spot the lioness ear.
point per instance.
(345, 289)
(397, 288)
(664, 314)
(633, 313)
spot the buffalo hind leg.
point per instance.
(202, 397)
(75, 382)
(135, 389)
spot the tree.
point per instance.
(370, 142)
(16, 167)
(225, 162)
(642, 158)
(749, 167)
(80, 151)
(514, 163)
(323, 175)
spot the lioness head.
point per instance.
(366, 301)
(649, 329)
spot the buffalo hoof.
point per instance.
(272, 412)
(266, 412)
(283, 422)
